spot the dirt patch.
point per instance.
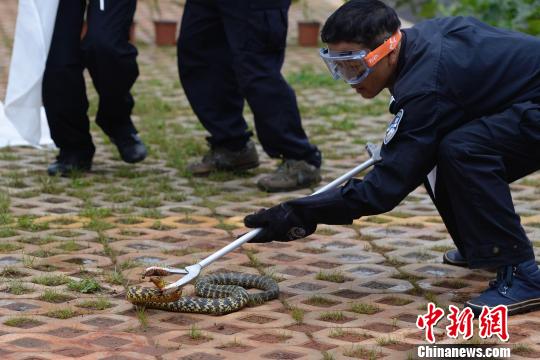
(380, 327)
(257, 319)
(188, 340)
(395, 301)
(236, 348)
(66, 332)
(349, 294)
(73, 352)
(324, 264)
(320, 303)
(225, 329)
(407, 318)
(352, 337)
(282, 355)
(341, 320)
(305, 328)
(270, 338)
(181, 320)
(29, 342)
(400, 346)
(318, 346)
(201, 356)
(296, 272)
(305, 286)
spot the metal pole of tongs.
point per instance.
(192, 272)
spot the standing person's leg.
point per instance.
(64, 92)
(477, 162)
(205, 69)
(111, 61)
(257, 33)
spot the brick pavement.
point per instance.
(346, 292)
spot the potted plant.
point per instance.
(165, 30)
(308, 28)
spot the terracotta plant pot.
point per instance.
(165, 32)
(308, 33)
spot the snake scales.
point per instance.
(220, 293)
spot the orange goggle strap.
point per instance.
(384, 49)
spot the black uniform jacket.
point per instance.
(450, 71)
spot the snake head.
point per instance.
(155, 271)
(158, 282)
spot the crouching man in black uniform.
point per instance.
(466, 101)
(111, 61)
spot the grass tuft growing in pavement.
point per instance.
(50, 280)
(367, 309)
(85, 286)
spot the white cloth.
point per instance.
(23, 108)
(10, 137)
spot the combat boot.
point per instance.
(220, 158)
(291, 175)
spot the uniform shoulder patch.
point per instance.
(393, 127)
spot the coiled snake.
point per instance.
(220, 293)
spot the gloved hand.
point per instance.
(279, 223)
(297, 219)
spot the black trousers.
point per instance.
(229, 51)
(111, 61)
(475, 165)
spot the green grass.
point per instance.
(5, 202)
(142, 316)
(100, 303)
(360, 352)
(396, 301)
(26, 222)
(17, 287)
(158, 225)
(6, 247)
(332, 316)
(332, 276)
(130, 264)
(38, 240)
(65, 313)
(297, 314)
(95, 212)
(386, 341)
(367, 309)
(12, 272)
(98, 225)
(195, 334)
(50, 280)
(115, 278)
(307, 77)
(85, 286)
(53, 296)
(317, 300)
(50, 185)
(70, 246)
(21, 321)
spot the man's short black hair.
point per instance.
(366, 22)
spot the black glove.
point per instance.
(297, 219)
(279, 223)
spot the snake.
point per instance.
(218, 294)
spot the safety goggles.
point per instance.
(355, 66)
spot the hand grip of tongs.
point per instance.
(194, 270)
